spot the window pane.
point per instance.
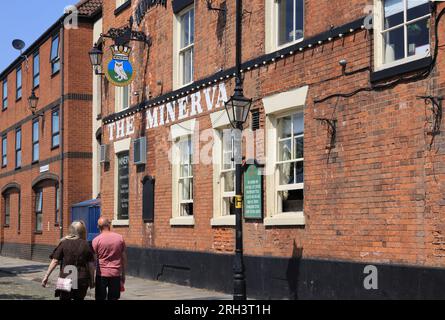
(55, 66)
(18, 139)
(394, 13)
(36, 65)
(35, 152)
(286, 173)
(187, 60)
(187, 209)
(35, 131)
(285, 127)
(285, 150)
(394, 45)
(185, 30)
(285, 21)
(7, 210)
(55, 123)
(418, 37)
(291, 201)
(39, 201)
(298, 124)
(55, 140)
(39, 222)
(57, 198)
(186, 185)
(299, 22)
(227, 207)
(55, 48)
(417, 9)
(299, 148)
(192, 26)
(229, 181)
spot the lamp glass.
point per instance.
(96, 56)
(33, 100)
(238, 108)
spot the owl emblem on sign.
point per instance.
(120, 71)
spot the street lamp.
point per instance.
(32, 102)
(96, 56)
(238, 108)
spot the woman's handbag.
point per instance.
(64, 284)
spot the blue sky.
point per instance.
(26, 20)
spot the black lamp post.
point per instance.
(238, 108)
(33, 100)
(96, 56)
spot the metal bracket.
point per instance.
(123, 36)
(332, 131)
(436, 108)
(210, 7)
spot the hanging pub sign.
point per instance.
(119, 70)
(253, 192)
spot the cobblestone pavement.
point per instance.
(20, 280)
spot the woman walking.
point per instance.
(74, 254)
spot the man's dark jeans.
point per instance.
(108, 288)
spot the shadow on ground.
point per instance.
(18, 297)
(23, 269)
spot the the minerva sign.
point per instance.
(207, 100)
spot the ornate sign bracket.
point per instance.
(122, 36)
(332, 131)
(436, 108)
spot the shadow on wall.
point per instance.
(293, 271)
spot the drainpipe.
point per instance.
(61, 123)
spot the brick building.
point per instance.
(46, 153)
(372, 189)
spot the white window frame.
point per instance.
(278, 106)
(272, 29)
(119, 147)
(179, 132)
(120, 3)
(220, 122)
(178, 60)
(378, 22)
(119, 98)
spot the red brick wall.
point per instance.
(377, 197)
(78, 132)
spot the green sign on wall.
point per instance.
(253, 193)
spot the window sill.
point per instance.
(224, 221)
(389, 72)
(38, 232)
(122, 8)
(183, 221)
(6, 226)
(55, 147)
(55, 73)
(4, 109)
(286, 219)
(18, 99)
(276, 48)
(120, 223)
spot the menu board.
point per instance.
(253, 193)
(123, 185)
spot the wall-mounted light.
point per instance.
(96, 56)
(33, 101)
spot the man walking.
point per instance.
(110, 250)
